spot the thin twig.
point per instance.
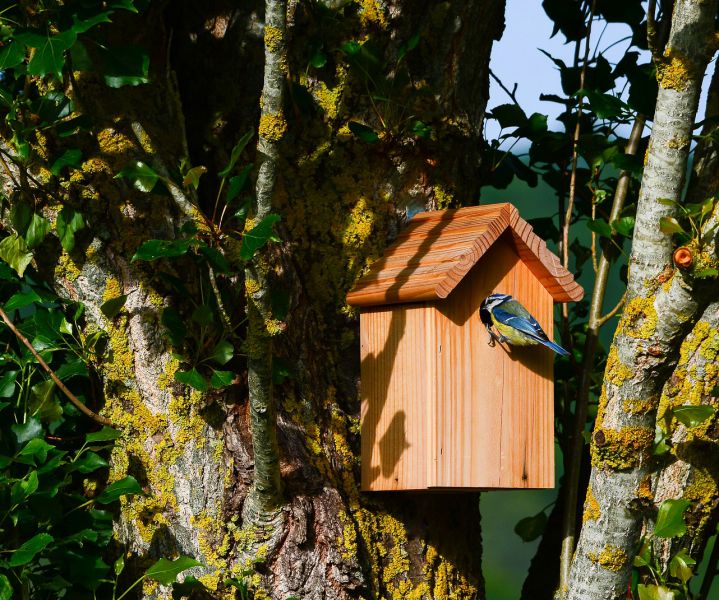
(602, 320)
(652, 30)
(218, 298)
(74, 399)
(512, 94)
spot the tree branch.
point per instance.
(265, 496)
(70, 396)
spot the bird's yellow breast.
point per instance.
(515, 337)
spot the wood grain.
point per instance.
(441, 408)
(437, 249)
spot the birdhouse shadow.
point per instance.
(390, 450)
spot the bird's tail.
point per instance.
(556, 347)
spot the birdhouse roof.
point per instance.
(438, 248)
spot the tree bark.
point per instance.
(341, 199)
(645, 347)
(694, 470)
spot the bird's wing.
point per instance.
(526, 324)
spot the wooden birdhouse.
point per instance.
(441, 408)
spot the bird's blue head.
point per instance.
(489, 303)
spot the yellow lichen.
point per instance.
(592, 511)
(639, 318)
(675, 71)
(611, 558)
(624, 449)
(273, 38)
(639, 406)
(272, 127)
(372, 13)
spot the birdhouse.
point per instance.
(441, 407)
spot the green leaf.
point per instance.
(605, 106)
(706, 273)
(154, 249)
(670, 225)
(140, 175)
(175, 326)
(69, 222)
(126, 65)
(192, 177)
(221, 379)
(124, 487)
(106, 434)
(222, 353)
(25, 553)
(24, 488)
(655, 592)
(193, 378)
(509, 115)
(238, 182)
(421, 130)
(318, 58)
(236, 152)
(693, 416)
(670, 519)
(119, 565)
(166, 571)
(89, 462)
(27, 431)
(363, 132)
(623, 226)
(43, 404)
(601, 228)
(72, 157)
(20, 216)
(5, 588)
(49, 56)
(73, 368)
(112, 307)
(7, 384)
(36, 448)
(11, 55)
(14, 251)
(682, 566)
(530, 528)
(21, 300)
(258, 236)
(37, 231)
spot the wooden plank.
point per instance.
(394, 395)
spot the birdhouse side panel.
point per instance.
(493, 419)
(528, 395)
(395, 396)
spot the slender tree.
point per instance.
(646, 346)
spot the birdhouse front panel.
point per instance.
(441, 407)
(493, 425)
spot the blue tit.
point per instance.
(514, 323)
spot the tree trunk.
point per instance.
(341, 199)
(645, 347)
(694, 469)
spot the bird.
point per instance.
(514, 323)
